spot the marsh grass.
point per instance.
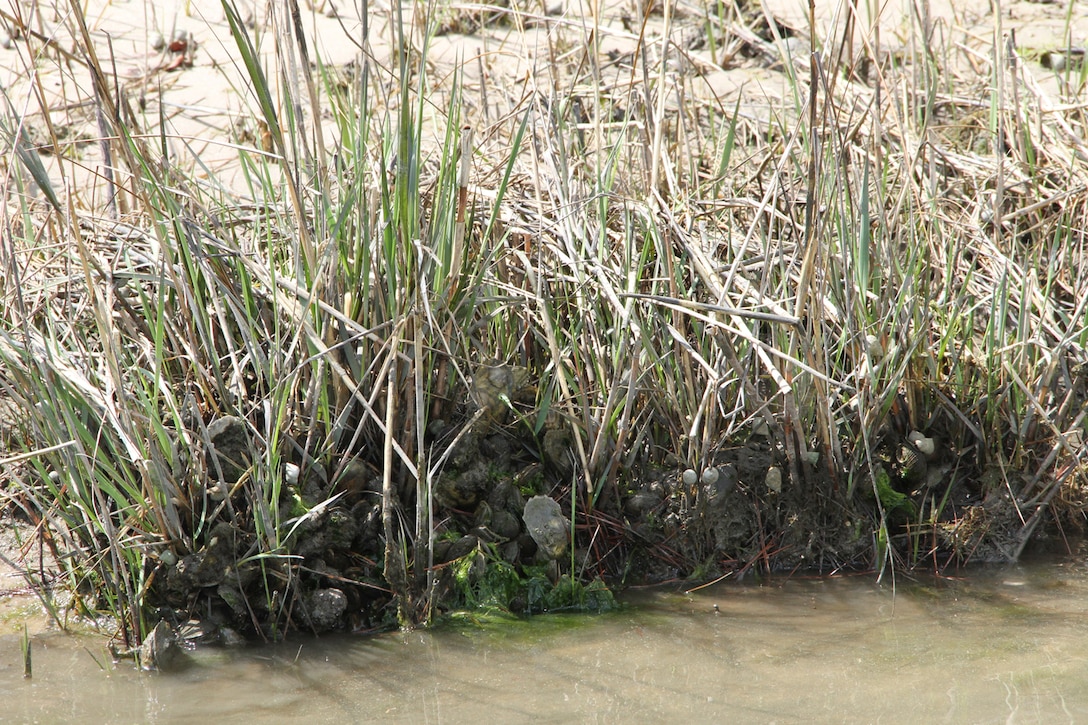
(896, 247)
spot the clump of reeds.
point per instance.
(894, 249)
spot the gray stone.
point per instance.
(547, 525)
(641, 503)
(463, 546)
(505, 525)
(207, 567)
(230, 452)
(160, 649)
(464, 490)
(507, 497)
(333, 529)
(326, 608)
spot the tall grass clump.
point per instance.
(842, 329)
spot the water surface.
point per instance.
(998, 645)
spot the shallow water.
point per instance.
(999, 645)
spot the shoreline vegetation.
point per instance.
(436, 339)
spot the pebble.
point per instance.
(291, 473)
(774, 479)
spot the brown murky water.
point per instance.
(1000, 645)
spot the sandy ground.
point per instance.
(198, 103)
(19, 606)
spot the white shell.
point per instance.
(925, 445)
(710, 476)
(157, 41)
(774, 479)
(690, 477)
(874, 347)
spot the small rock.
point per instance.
(229, 637)
(441, 550)
(483, 514)
(437, 430)
(559, 449)
(546, 524)
(462, 547)
(160, 649)
(356, 481)
(690, 477)
(527, 546)
(641, 503)
(710, 476)
(369, 518)
(494, 387)
(332, 529)
(505, 525)
(327, 606)
(234, 599)
(207, 567)
(230, 454)
(507, 497)
(774, 479)
(465, 489)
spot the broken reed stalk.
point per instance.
(422, 556)
(463, 172)
(662, 95)
(395, 566)
(25, 645)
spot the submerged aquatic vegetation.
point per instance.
(312, 384)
